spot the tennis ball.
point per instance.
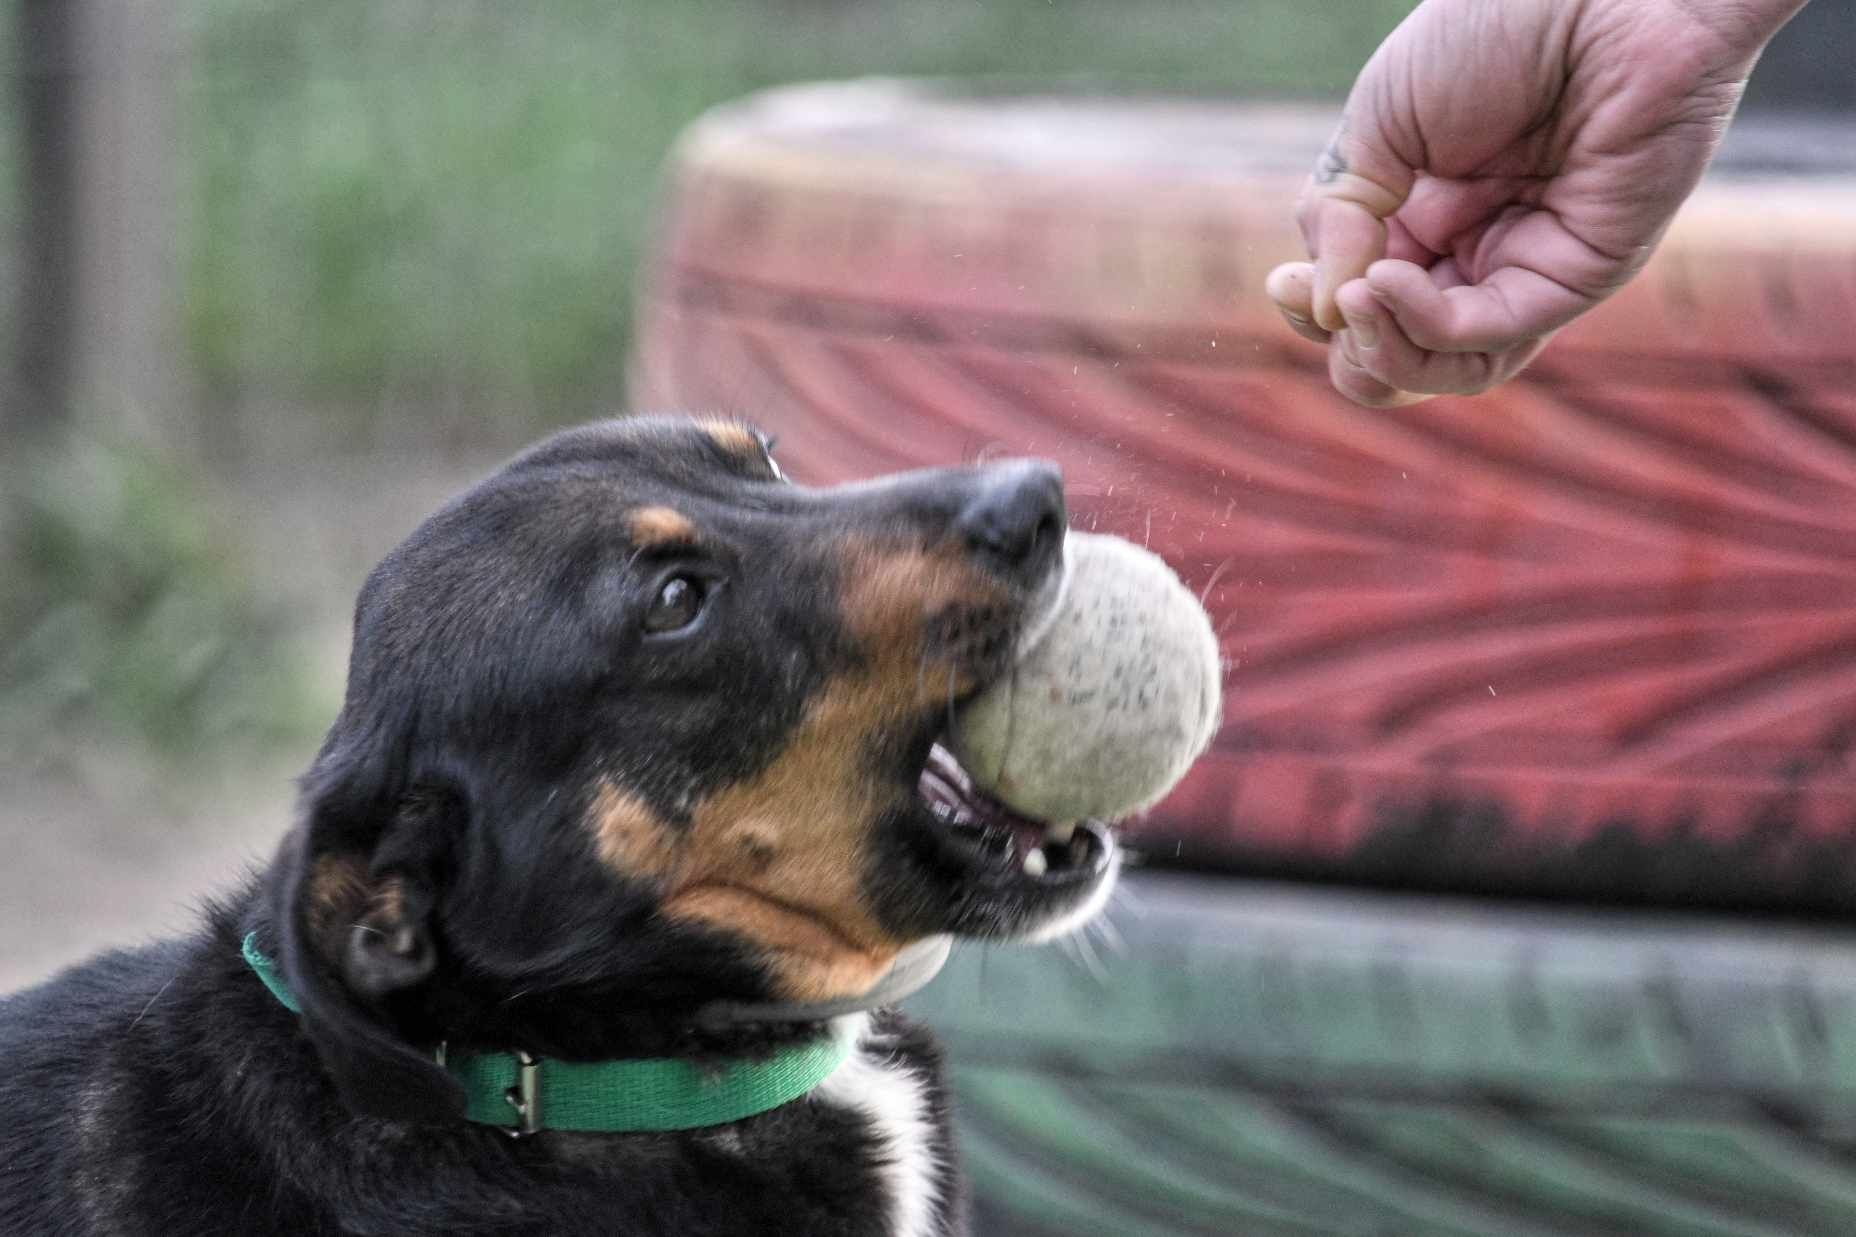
(1111, 700)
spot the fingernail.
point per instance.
(1296, 318)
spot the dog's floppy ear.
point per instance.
(358, 879)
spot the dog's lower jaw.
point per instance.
(812, 960)
(1079, 917)
(914, 966)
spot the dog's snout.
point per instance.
(1015, 518)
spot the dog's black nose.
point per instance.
(1015, 518)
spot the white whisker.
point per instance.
(1112, 938)
(1092, 960)
(1217, 573)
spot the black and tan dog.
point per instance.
(622, 821)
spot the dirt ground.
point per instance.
(90, 866)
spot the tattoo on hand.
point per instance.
(1332, 165)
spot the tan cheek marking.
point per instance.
(779, 859)
(755, 845)
(659, 526)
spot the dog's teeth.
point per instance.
(1035, 862)
(1060, 833)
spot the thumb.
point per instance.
(1358, 183)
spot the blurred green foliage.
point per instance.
(128, 615)
(423, 198)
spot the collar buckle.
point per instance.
(525, 1096)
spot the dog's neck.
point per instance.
(613, 1020)
(585, 1023)
(603, 1025)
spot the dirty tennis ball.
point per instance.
(1110, 702)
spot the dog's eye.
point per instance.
(676, 606)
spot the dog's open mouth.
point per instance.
(1003, 845)
(1003, 874)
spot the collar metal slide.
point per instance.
(525, 1096)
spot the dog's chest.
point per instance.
(893, 1099)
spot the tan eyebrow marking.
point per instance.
(629, 836)
(659, 526)
(734, 438)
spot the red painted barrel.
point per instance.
(1592, 634)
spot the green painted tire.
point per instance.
(1241, 1058)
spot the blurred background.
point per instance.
(281, 277)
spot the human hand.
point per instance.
(1503, 166)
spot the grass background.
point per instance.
(448, 201)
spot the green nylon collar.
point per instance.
(613, 1097)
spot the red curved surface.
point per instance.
(1594, 634)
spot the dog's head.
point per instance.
(636, 726)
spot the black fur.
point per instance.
(442, 882)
